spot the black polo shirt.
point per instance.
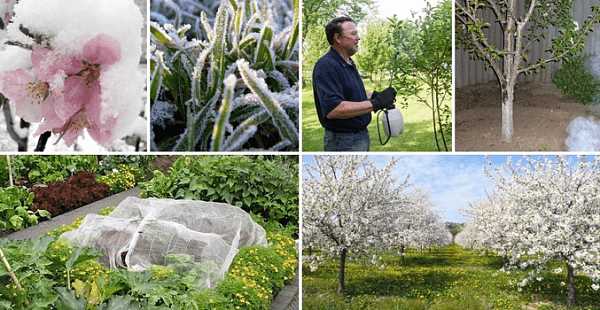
(335, 80)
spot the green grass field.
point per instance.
(417, 136)
(447, 278)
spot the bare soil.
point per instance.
(540, 115)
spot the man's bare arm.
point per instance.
(350, 109)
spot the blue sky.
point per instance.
(453, 181)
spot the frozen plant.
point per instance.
(233, 86)
(280, 13)
(78, 68)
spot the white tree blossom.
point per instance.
(544, 210)
(351, 206)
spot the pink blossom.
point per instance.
(64, 92)
(83, 92)
(25, 92)
(83, 82)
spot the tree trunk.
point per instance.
(433, 118)
(571, 295)
(402, 254)
(341, 275)
(510, 72)
(508, 95)
(439, 115)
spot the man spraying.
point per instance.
(341, 100)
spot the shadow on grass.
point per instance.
(447, 257)
(550, 289)
(401, 285)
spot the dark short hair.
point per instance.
(335, 26)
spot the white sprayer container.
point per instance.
(396, 122)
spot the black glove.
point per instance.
(384, 99)
(374, 94)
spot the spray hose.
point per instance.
(389, 128)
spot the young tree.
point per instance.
(421, 64)
(374, 51)
(546, 210)
(346, 202)
(521, 28)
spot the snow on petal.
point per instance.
(102, 50)
(46, 64)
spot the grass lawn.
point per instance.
(417, 136)
(447, 278)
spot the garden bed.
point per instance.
(53, 273)
(48, 186)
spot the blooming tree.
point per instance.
(352, 206)
(522, 23)
(545, 210)
(345, 201)
(414, 224)
(78, 68)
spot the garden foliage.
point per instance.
(574, 80)
(42, 265)
(33, 169)
(233, 86)
(140, 164)
(257, 185)
(16, 210)
(120, 179)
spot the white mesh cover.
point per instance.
(143, 232)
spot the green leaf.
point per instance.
(160, 35)
(295, 31)
(78, 256)
(218, 54)
(224, 112)
(120, 303)
(16, 221)
(286, 128)
(68, 301)
(156, 81)
(44, 213)
(262, 55)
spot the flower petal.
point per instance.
(13, 85)
(77, 95)
(46, 64)
(103, 50)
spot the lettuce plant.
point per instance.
(228, 84)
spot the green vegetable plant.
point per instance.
(15, 213)
(53, 168)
